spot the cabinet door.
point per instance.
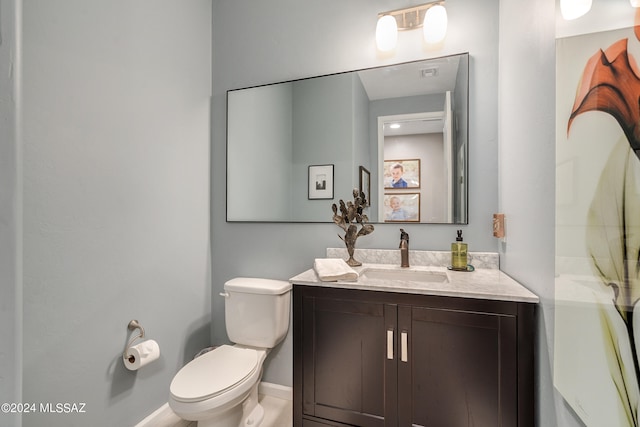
(346, 369)
(460, 368)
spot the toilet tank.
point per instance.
(257, 311)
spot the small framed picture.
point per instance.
(365, 184)
(320, 182)
(402, 173)
(402, 207)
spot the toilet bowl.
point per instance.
(222, 397)
(220, 387)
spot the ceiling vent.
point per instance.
(429, 72)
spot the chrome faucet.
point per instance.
(404, 248)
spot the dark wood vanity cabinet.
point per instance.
(366, 358)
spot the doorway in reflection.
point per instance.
(416, 153)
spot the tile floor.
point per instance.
(278, 412)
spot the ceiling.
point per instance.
(412, 78)
(415, 127)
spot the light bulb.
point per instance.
(386, 33)
(435, 24)
(572, 9)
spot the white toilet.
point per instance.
(220, 388)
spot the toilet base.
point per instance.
(230, 418)
(252, 410)
(249, 414)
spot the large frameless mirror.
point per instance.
(399, 133)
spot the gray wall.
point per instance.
(527, 175)
(361, 146)
(116, 133)
(316, 142)
(286, 40)
(260, 127)
(10, 213)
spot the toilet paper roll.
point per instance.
(141, 355)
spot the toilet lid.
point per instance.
(213, 373)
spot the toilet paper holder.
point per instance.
(133, 325)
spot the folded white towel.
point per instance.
(334, 269)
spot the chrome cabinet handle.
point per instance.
(390, 344)
(403, 347)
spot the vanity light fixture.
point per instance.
(573, 9)
(386, 33)
(435, 24)
(431, 17)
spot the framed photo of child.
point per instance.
(402, 207)
(402, 173)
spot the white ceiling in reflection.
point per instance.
(411, 79)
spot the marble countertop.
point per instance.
(483, 283)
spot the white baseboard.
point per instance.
(165, 417)
(276, 390)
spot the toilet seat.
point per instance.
(214, 373)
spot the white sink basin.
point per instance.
(424, 276)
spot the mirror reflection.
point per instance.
(398, 132)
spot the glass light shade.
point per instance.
(572, 9)
(386, 33)
(435, 24)
(635, 3)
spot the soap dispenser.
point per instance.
(459, 253)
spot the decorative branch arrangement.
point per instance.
(351, 214)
